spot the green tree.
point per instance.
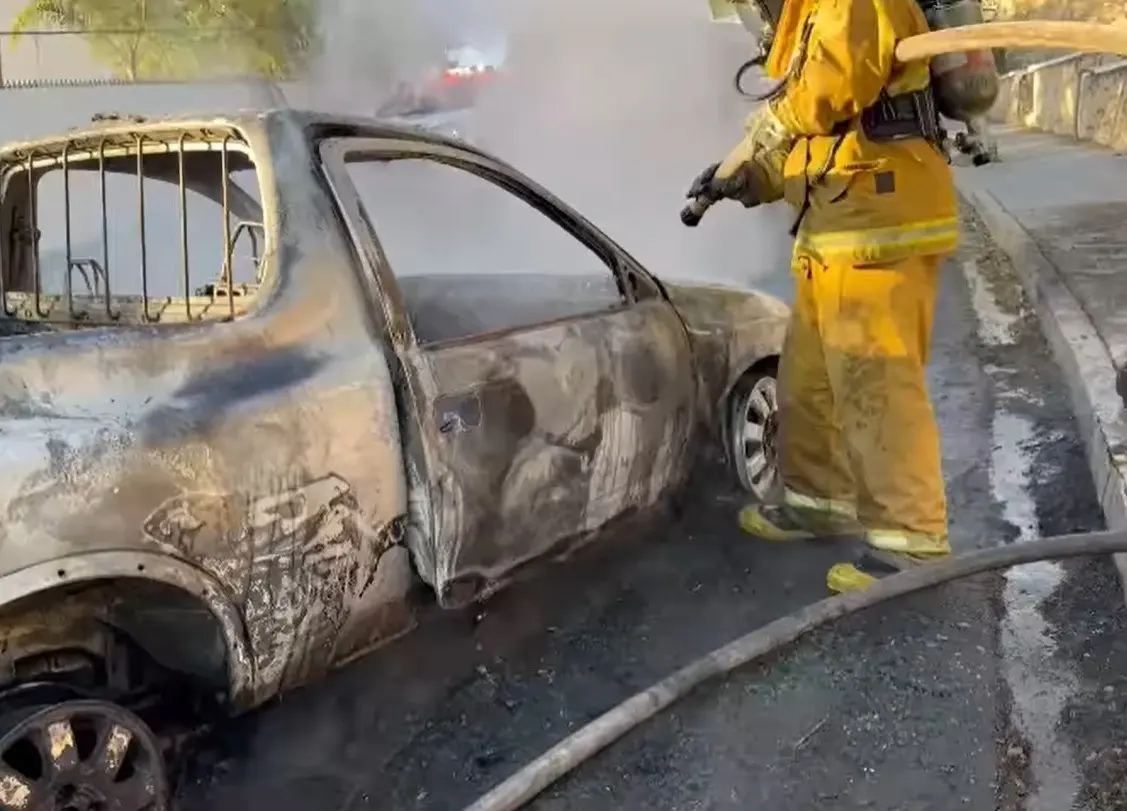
(273, 38)
(145, 39)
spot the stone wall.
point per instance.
(1081, 95)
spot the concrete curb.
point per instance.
(1083, 356)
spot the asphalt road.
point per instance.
(1001, 692)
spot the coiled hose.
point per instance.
(754, 62)
(566, 756)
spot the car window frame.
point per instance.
(182, 308)
(334, 156)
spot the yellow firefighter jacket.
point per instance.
(863, 202)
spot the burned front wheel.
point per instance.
(80, 756)
(753, 433)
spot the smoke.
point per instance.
(367, 47)
(615, 107)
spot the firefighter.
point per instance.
(851, 139)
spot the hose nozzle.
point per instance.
(694, 211)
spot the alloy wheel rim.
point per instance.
(81, 756)
(756, 437)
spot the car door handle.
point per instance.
(457, 413)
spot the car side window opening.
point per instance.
(160, 247)
(472, 257)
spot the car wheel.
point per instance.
(81, 755)
(753, 433)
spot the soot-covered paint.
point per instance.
(301, 460)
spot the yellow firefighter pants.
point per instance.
(857, 432)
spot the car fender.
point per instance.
(732, 331)
(747, 362)
(154, 566)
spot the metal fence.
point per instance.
(56, 80)
(61, 58)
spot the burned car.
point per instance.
(261, 376)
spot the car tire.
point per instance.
(83, 754)
(753, 432)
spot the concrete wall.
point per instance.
(1082, 95)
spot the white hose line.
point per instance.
(1051, 34)
(520, 789)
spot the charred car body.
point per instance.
(237, 428)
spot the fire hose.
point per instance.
(563, 758)
(520, 789)
(1069, 36)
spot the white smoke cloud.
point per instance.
(613, 106)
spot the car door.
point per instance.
(552, 382)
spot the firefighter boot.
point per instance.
(790, 521)
(872, 564)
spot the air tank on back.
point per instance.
(965, 84)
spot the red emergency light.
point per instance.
(457, 75)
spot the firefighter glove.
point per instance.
(740, 186)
